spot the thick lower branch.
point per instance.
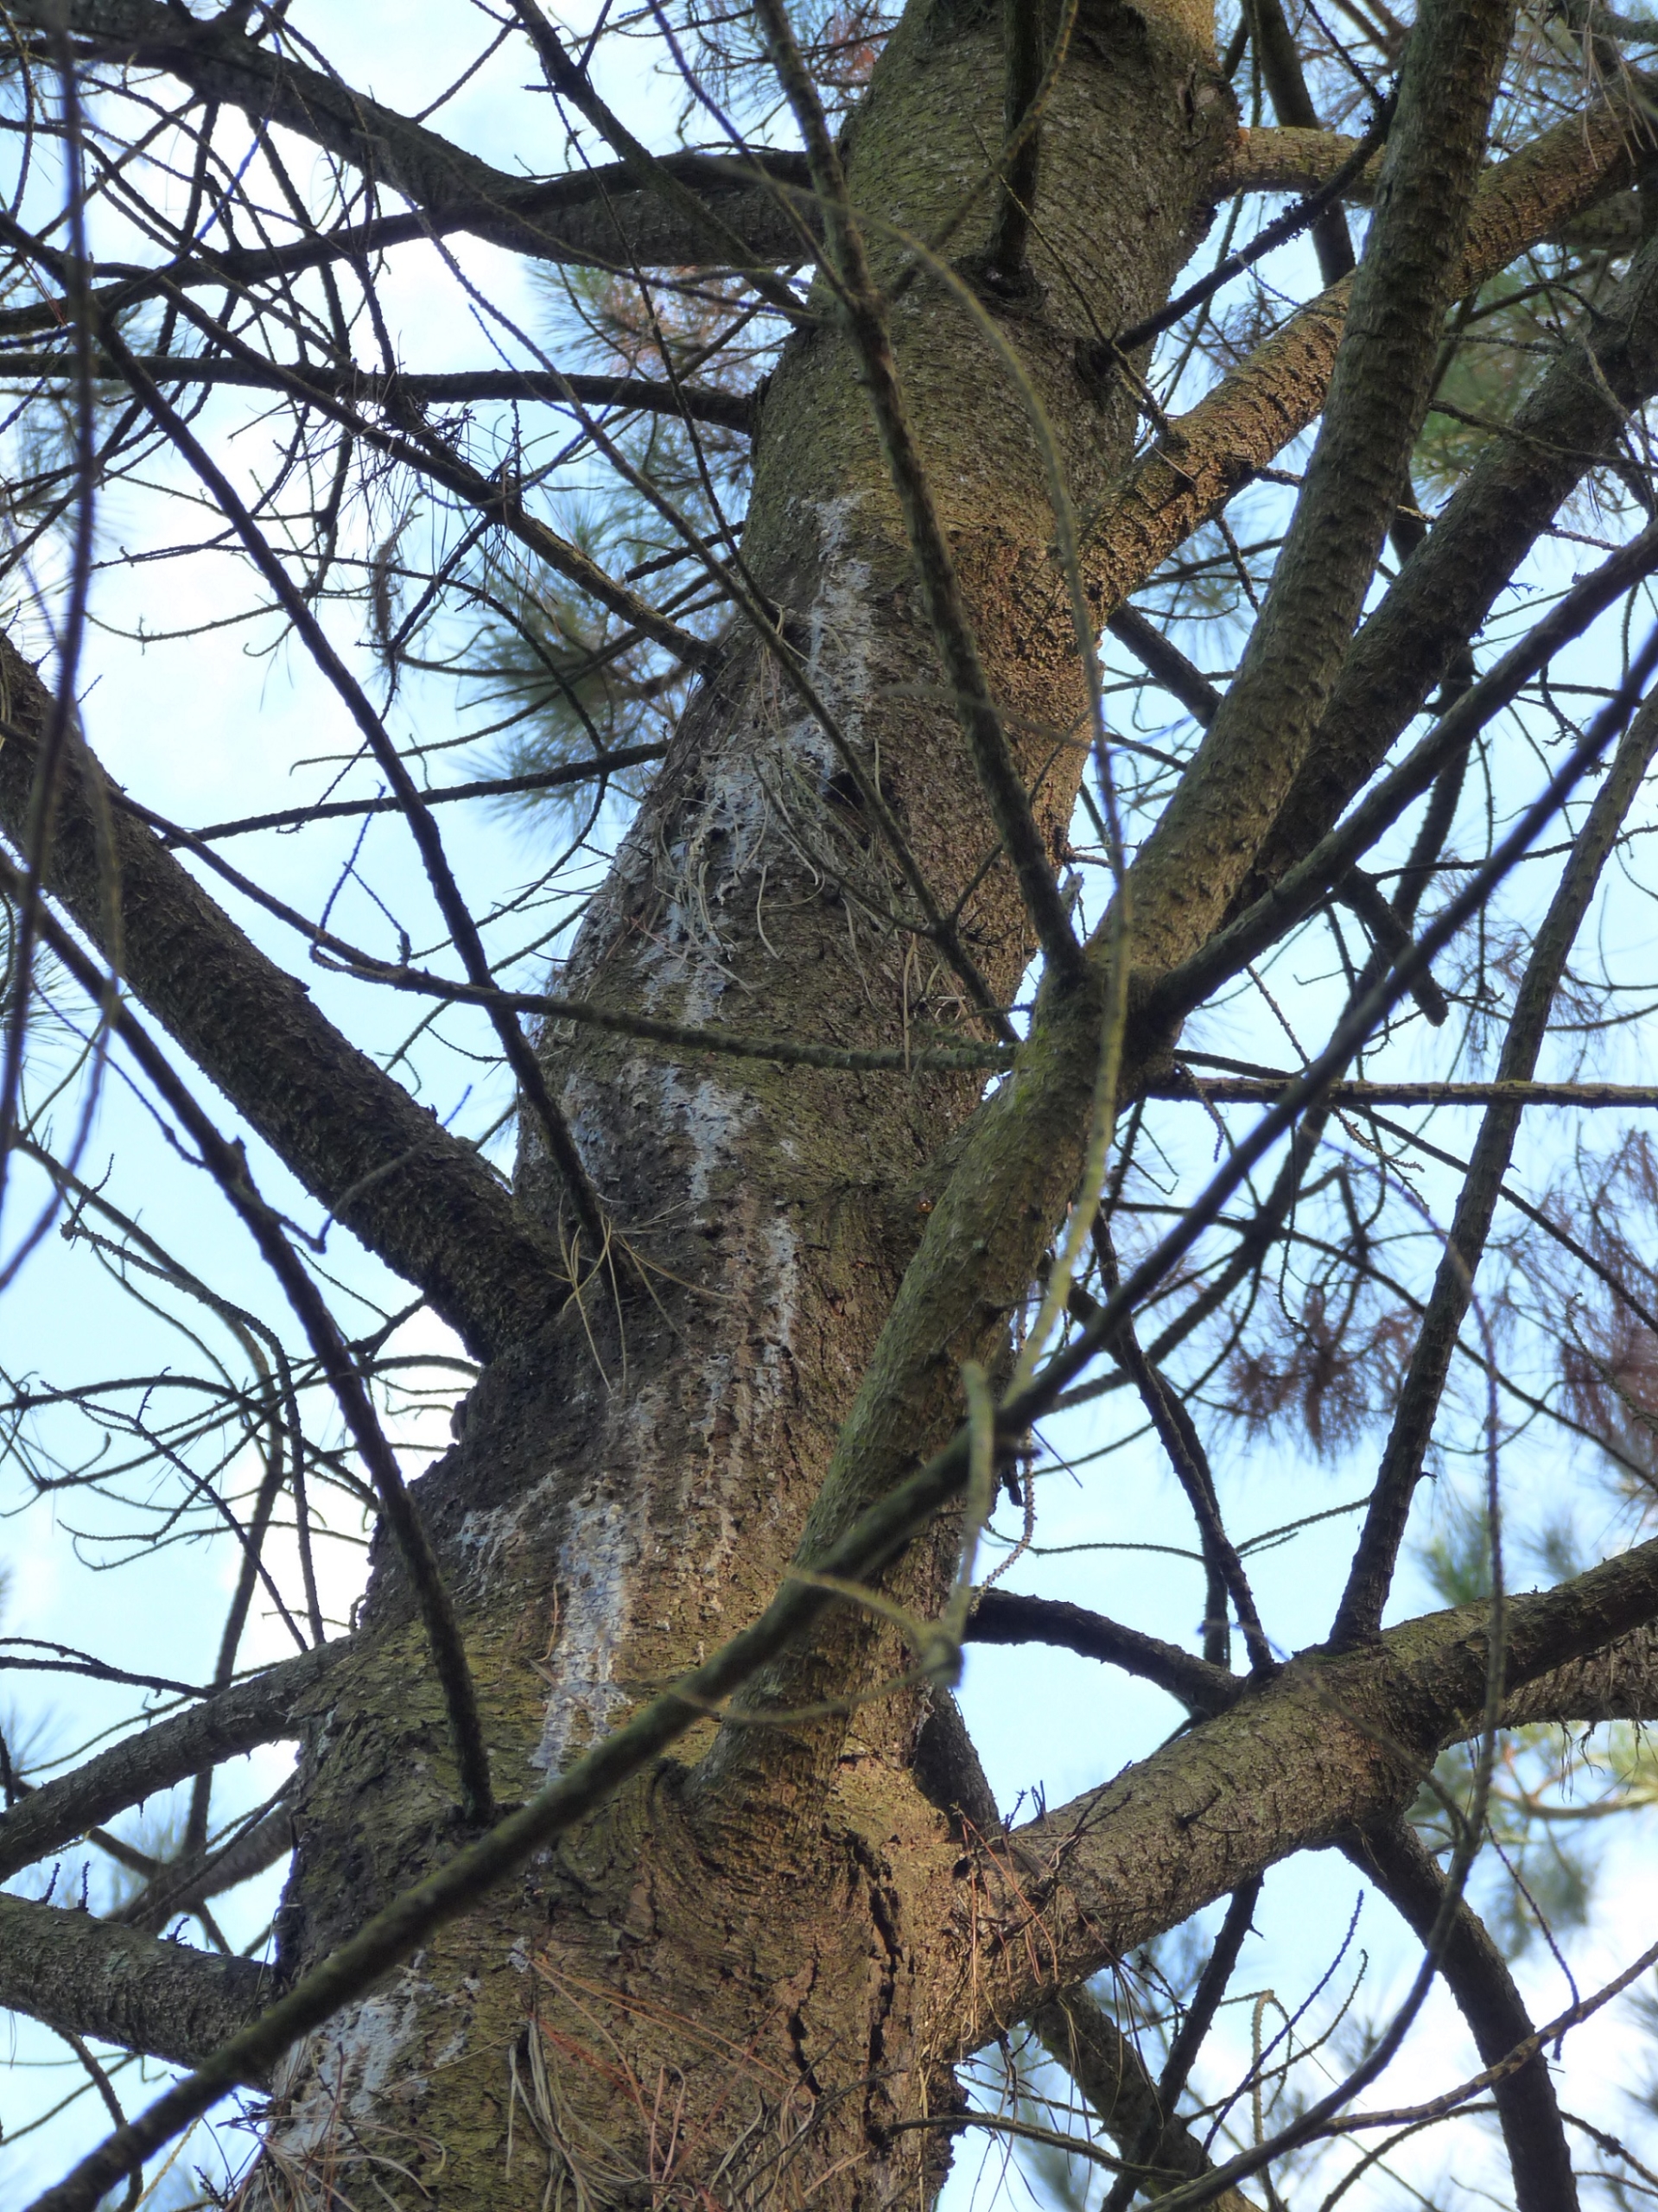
(1331, 1744)
(260, 1711)
(1617, 1682)
(381, 1165)
(91, 1979)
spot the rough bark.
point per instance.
(73, 1972)
(1331, 1743)
(611, 1525)
(1014, 1171)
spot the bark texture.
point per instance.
(83, 1974)
(630, 1486)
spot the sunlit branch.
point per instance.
(1381, 381)
(1574, 418)
(1245, 422)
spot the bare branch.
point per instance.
(714, 236)
(1317, 213)
(334, 809)
(1316, 872)
(1161, 2141)
(1080, 2035)
(725, 410)
(591, 218)
(1371, 1575)
(453, 189)
(184, 1883)
(457, 915)
(1009, 1617)
(1394, 1858)
(1246, 1090)
(228, 1166)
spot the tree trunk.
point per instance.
(673, 2009)
(747, 1978)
